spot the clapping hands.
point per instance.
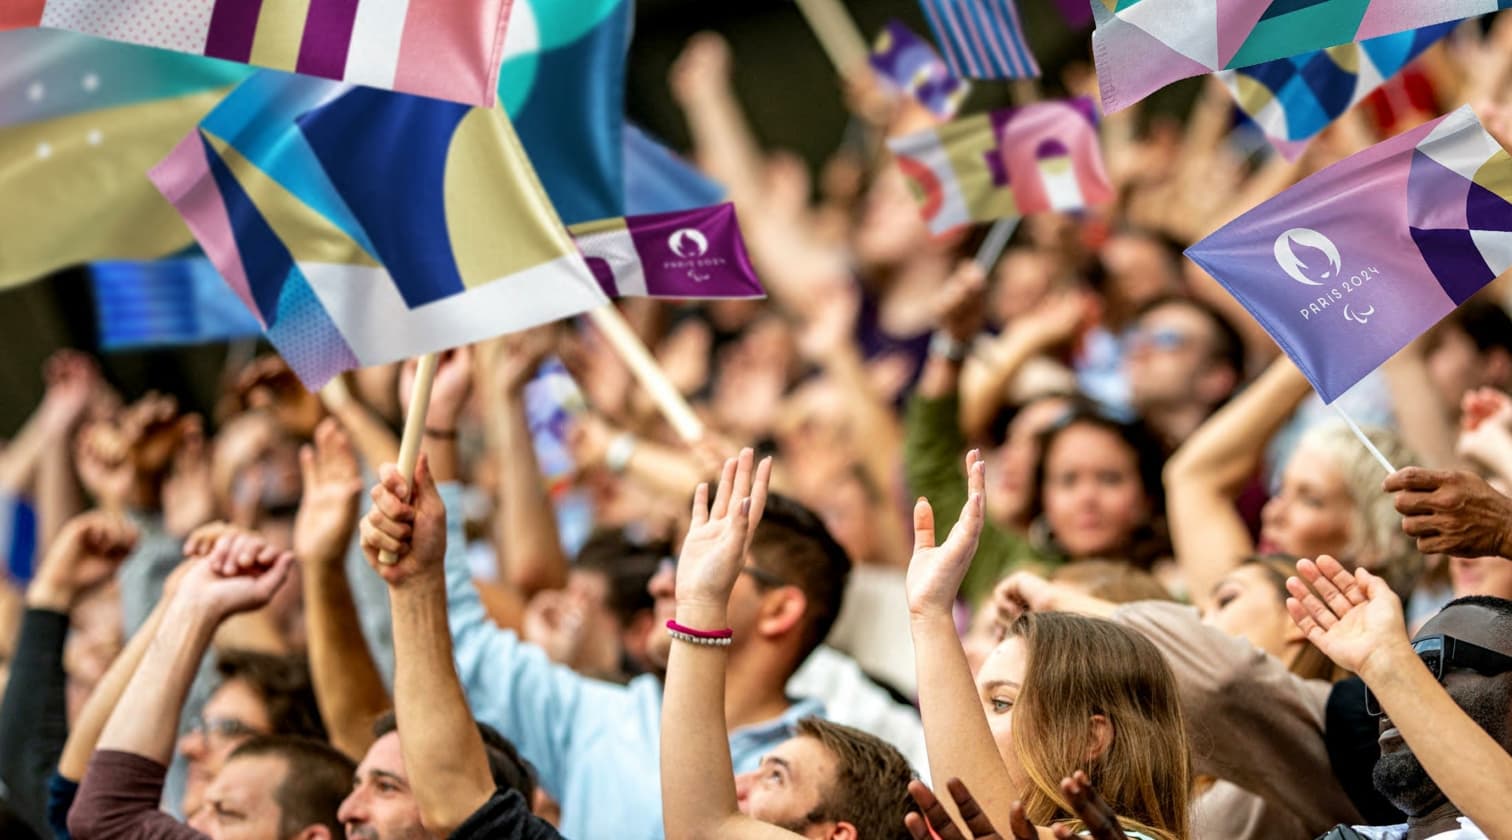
(1098, 818)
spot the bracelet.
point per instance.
(617, 456)
(441, 434)
(945, 346)
(708, 638)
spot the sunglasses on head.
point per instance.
(1444, 653)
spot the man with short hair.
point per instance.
(1469, 349)
(1184, 359)
(276, 787)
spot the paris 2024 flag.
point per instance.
(1351, 264)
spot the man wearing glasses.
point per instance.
(1183, 360)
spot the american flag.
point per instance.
(981, 39)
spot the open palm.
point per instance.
(1349, 616)
(715, 547)
(936, 571)
(332, 484)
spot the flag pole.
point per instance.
(837, 33)
(414, 428)
(633, 352)
(996, 241)
(1364, 439)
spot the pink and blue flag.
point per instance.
(910, 64)
(443, 48)
(982, 39)
(1143, 45)
(1354, 262)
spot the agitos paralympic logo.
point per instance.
(1312, 259)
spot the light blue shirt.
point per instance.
(596, 745)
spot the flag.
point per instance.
(443, 48)
(166, 302)
(553, 404)
(81, 121)
(1354, 262)
(686, 254)
(18, 536)
(1006, 163)
(1294, 99)
(658, 181)
(363, 227)
(982, 39)
(1143, 45)
(911, 65)
(1076, 13)
(563, 84)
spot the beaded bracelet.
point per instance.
(709, 638)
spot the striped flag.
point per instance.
(448, 49)
(165, 303)
(364, 227)
(982, 39)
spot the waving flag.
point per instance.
(1351, 264)
(1076, 13)
(1006, 163)
(982, 39)
(1142, 45)
(658, 181)
(911, 65)
(687, 254)
(363, 227)
(81, 121)
(1294, 99)
(443, 48)
(563, 84)
(166, 302)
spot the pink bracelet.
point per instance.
(700, 634)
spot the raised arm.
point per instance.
(1357, 620)
(698, 777)
(987, 375)
(348, 686)
(1207, 472)
(372, 436)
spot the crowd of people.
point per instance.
(1066, 547)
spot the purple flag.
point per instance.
(1351, 264)
(688, 254)
(1078, 13)
(910, 64)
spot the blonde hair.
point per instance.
(1079, 667)
(1376, 539)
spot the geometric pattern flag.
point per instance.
(1352, 263)
(1006, 163)
(443, 48)
(363, 227)
(911, 65)
(687, 254)
(982, 39)
(165, 303)
(1143, 45)
(658, 181)
(1294, 99)
(81, 122)
(563, 84)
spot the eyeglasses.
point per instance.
(1158, 339)
(1444, 653)
(226, 728)
(763, 578)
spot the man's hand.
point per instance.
(332, 484)
(514, 358)
(238, 573)
(102, 458)
(270, 383)
(1355, 619)
(959, 308)
(715, 547)
(449, 389)
(188, 493)
(1455, 513)
(935, 572)
(86, 552)
(412, 527)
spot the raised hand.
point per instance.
(935, 572)
(1454, 513)
(714, 550)
(86, 552)
(188, 492)
(239, 571)
(1096, 815)
(932, 815)
(1351, 618)
(959, 306)
(102, 456)
(409, 520)
(449, 390)
(701, 70)
(270, 383)
(332, 484)
(1023, 592)
(72, 380)
(1486, 428)
(514, 358)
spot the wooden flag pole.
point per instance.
(997, 240)
(633, 352)
(414, 427)
(837, 33)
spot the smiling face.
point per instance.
(1093, 497)
(999, 682)
(381, 805)
(1313, 513)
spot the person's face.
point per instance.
(1481, 576)
(242, 804)
(1486, 700)
(847, 511)
(600, 632)
(1453, 366)
(233, 714)
(1093, 497)
(1021, 281)
(788, 786)
(1010, 476)
(1312, 513)
(1140, 268)
(1247, 605)
(998, 685)
(381, 805)
(1168, 351)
